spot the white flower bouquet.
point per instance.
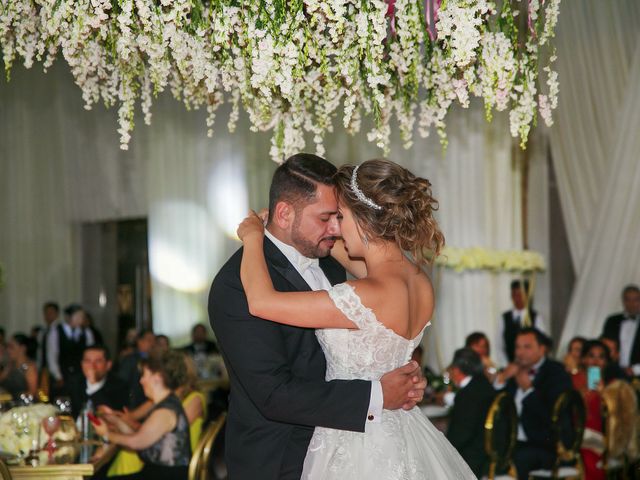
(20, 426)
(477, 258)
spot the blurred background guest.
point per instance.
(50, 314)
(65, 344)
(128, 343)
(97, 383)
(574, 354)
(513, 320)
(20, 374)
(624, 327)
(162, 441)
(470, 406)
(163, 344)
(199, 341)
(479, 343)
(129, 371)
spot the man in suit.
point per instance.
(277, 372)
(624, 327)
(200, 345)
(515, 319)
(129, 368)
(97, 383)
(535, 382)
(470, 407)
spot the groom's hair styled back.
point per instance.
(296, 179)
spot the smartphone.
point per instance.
(593, 378)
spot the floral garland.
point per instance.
(476, 258)
(294, 65)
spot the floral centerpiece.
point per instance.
(20, 426)
(294, 66)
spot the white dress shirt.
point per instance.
(520, 396)
(450, 397)
(94, 387)
(309, 269)
(53, 345)
(519, 315)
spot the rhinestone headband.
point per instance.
(358, 193)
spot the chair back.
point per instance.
(198, 466)
(5, 474)
(500, 434)
(619, 418)
(567, 425)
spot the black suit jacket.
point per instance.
(278, 391)
(208, 347)
(549, 383)
(114, 394)
(466, 428)
(612, 329)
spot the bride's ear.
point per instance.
(283, 215)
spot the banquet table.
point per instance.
(70, 461)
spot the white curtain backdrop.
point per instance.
(595, 148)
(61, 166)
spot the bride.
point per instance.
(370, 325)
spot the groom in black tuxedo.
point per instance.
(277, 372)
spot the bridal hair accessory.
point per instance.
(358, 193)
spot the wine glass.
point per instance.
(64, 405)
(50, 424)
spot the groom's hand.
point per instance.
(403, 387)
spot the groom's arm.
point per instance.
(256, 353)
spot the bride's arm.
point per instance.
(300, 309)
(356, 267)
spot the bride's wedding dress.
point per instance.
(404, 445)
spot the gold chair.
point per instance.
(567, 423)
(619, 417)
(200, 458)
(5, 474)
(502, 414)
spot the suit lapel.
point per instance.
(276, 259)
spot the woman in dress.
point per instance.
(21, 374)
(162, 441)
(370, 325)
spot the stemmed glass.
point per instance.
(51, 424)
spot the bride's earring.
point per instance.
(365, 240)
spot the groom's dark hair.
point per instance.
(296, 179)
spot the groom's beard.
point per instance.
(310, 249)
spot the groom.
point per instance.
(278, 388)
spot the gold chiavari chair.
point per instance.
(198, 466)
(500, 433)
(5, 474)
(619, 418)
(567, 425)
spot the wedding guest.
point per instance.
(21, 373)
(479, 343)
(470, 406)
(162, 441)
(163, 344)
(129, 371)
(512, 321)
(535, 383)
(199, 342)
(128, 343)
(97, 383)
(50, 314)
(624, 327)
(65, 344)
(574, 354)
(89, 325)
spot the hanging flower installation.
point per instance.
(295, 65)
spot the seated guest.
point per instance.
(479, 343)
(162, 441)
(199, 342)
(535, 383)
(97, 384)
(574, 353)
(20, 375)
(520, 316)
(613, 369)
(470, 407)
(129, 371)
(162, 343)
(624, 327)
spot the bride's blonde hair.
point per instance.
(391, 203)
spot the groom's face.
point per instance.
(315, 226)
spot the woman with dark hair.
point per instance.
(162, 441)
(367, 326)
(21, 374)
(479, 343)
(574, 353)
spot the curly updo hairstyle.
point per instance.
(407, 206)
(170, 365)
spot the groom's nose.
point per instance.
(333, 227)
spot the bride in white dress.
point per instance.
(367, 326)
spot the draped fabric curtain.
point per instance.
(595, 148)
(61, 167)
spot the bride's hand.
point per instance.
(252, 225)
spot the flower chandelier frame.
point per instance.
(295, 65)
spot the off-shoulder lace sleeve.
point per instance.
(348, 302)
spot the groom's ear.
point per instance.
(283, 215)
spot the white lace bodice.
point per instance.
(366, 353)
